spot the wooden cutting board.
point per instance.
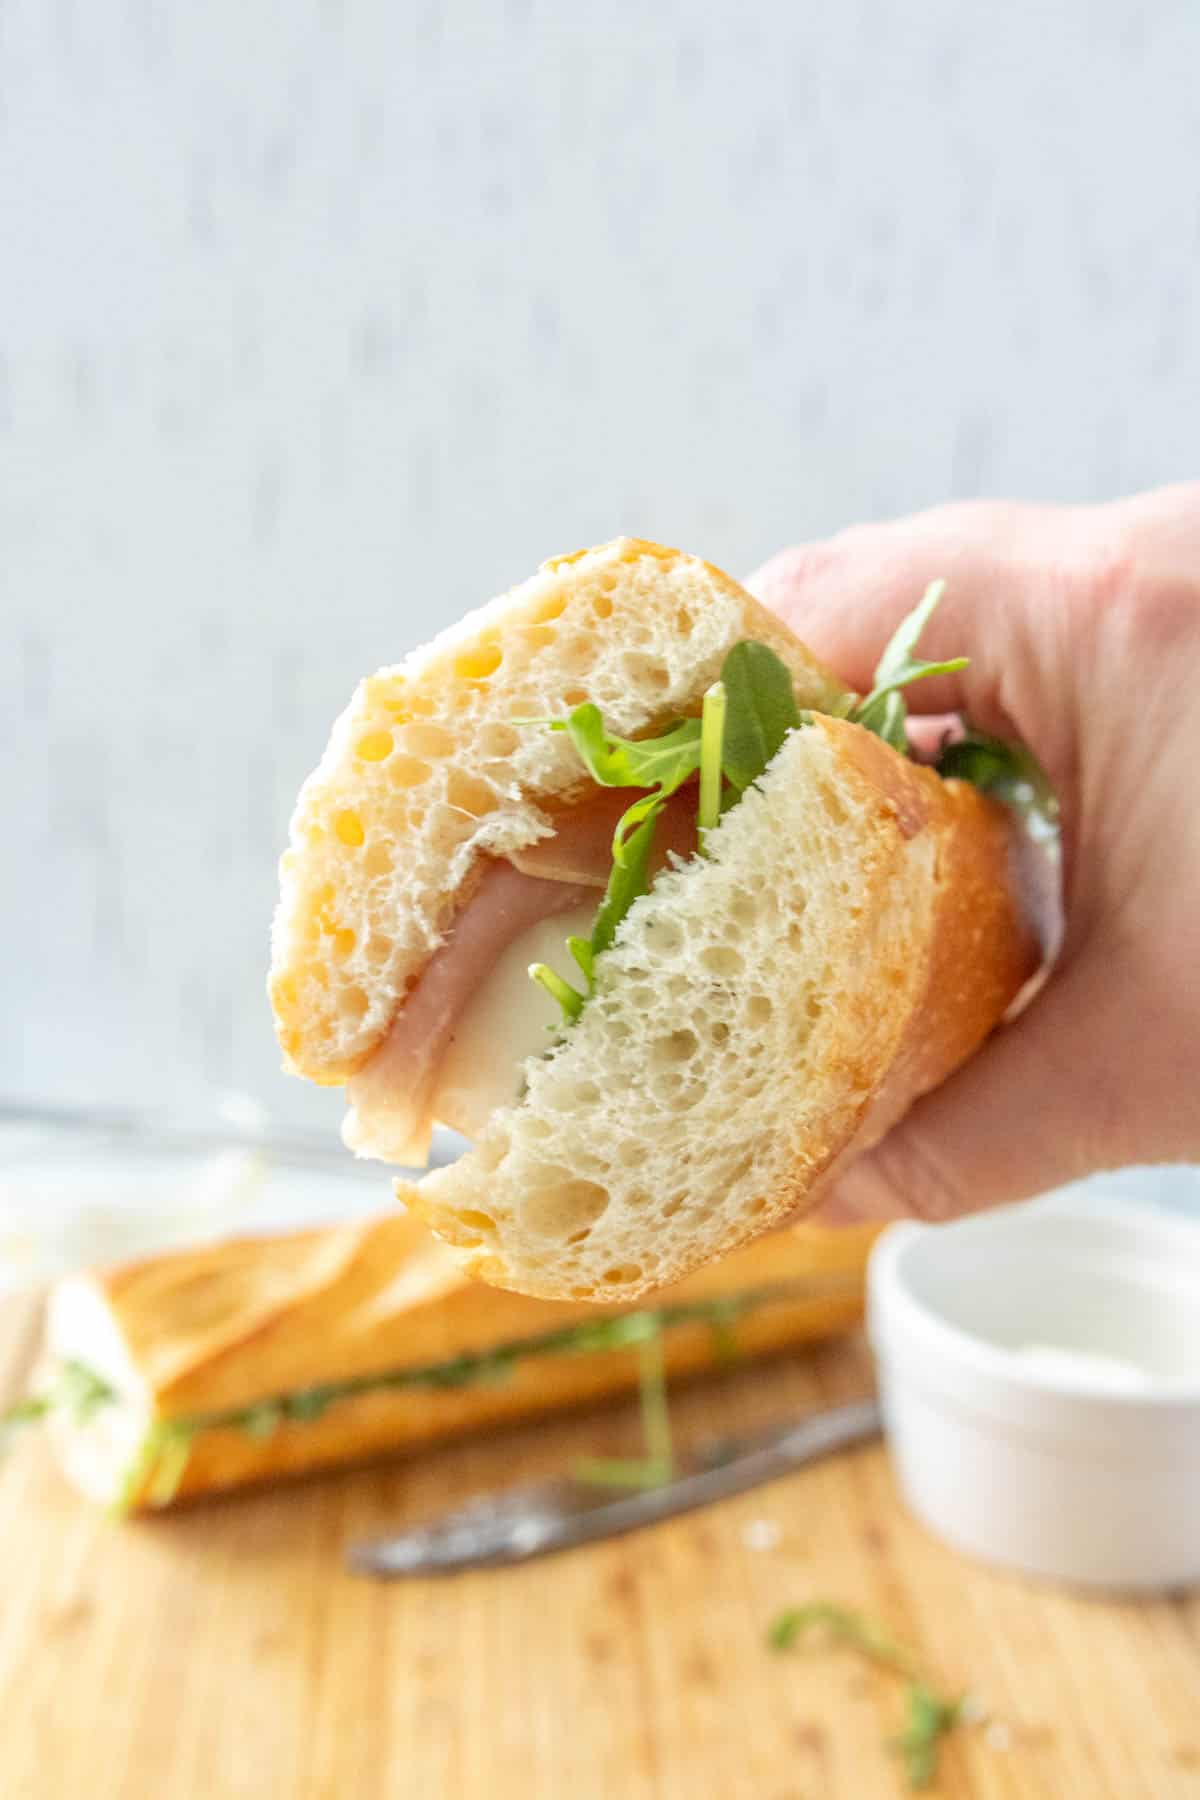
(224, 1651)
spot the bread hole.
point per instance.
(632, 1155)
(643, 671)
(553, 607)
(684, 621)
(759, 1009)
(374, 746)
(718, 1033)
(353, 1004)
(469, 794)
(672, 1206)
(675, 1048)
(602, 606)
(575, 655)
(756, 1207)
(537, 637)
(378, 860)
(569, 1206)
(835, 812)
(476, 1221)
(478, 664)
(348, 828)
(498, 740)
(580, 1237)
(536, 1128)
(575, 696)
(581, 1093)
(427, 740)
(622, 1272)
(723, 960)
(408, 771)
(450, 825)
(420, 705)
(743, 908)
(663, 937)
(343, 943)
(377, 949)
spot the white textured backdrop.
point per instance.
(320, 322)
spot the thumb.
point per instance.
(1049, 1099)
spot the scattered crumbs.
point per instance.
(761, 1534)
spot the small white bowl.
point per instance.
(1039, 1369)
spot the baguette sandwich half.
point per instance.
(756, 930)
(205, 1369)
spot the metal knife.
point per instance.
(521, 1523)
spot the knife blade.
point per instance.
(521, 1523)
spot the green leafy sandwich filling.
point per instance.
(745, 718)
(80, 1392)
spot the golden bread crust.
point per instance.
(237, 1323)
(936, 946)
(425, 772)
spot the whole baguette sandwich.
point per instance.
(201, 1370)
(757, 931)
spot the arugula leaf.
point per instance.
(174, 1452)
(1009, 771)
(657, 1464)
(929, 1720)
(746, 716)
(664, 762)
(929, 1716)
(887, 718)
(844, 1625)
(77, 1389)
(898, 666)
(569, 998)
(584, 953)
(712, 757)
(883, 711)
(628, 877)
(761, 711)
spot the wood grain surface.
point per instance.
(224, 1651)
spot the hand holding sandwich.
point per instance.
(619, 880)
(1083, 630)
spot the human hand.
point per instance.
(1082, 625)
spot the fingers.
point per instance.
(1049, 1099)
(1002, 564)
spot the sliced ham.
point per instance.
(456, 1045)
(392, 1097)
(580, 851)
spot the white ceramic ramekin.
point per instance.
(1039, 1369)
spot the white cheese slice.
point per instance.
(508, 1018)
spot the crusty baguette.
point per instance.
(425, 773)
(226, 1327)
(851, 935)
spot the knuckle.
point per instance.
(786, 574)
(1120, 589)
(910, 1176)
